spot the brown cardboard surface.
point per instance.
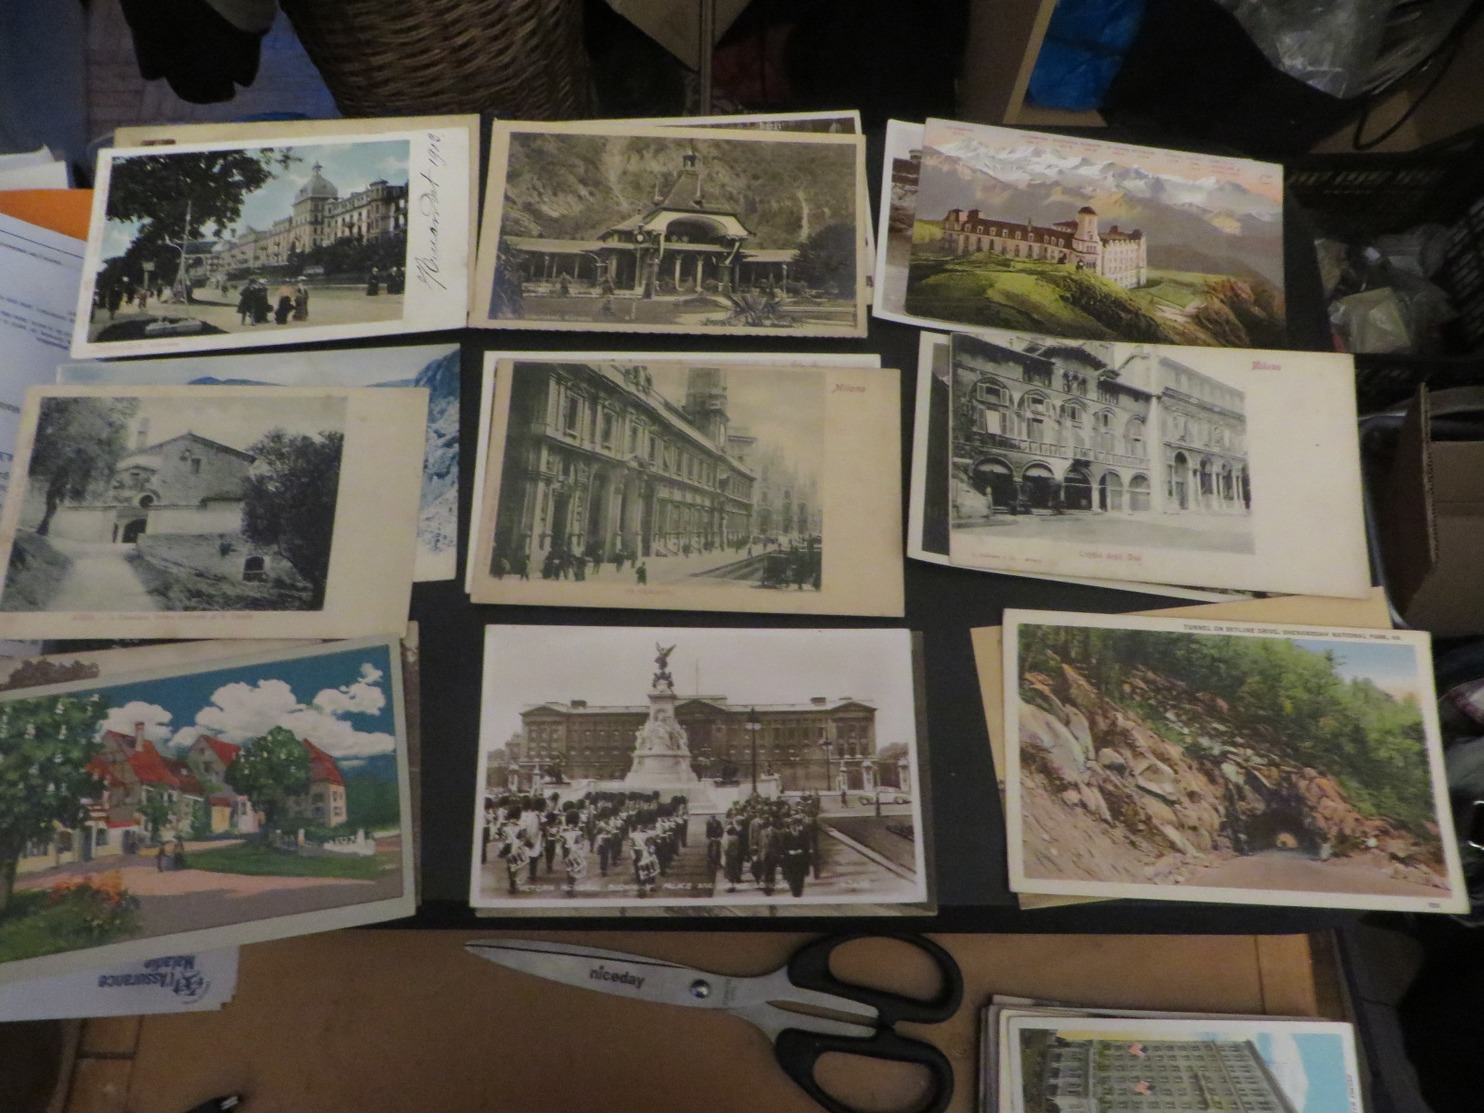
(99, 1086)
(109, 1035)
(380, 1020)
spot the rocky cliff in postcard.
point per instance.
(1285, 776)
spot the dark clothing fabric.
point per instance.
(201, 54)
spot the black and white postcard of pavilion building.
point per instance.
(697, 768)
(615, 228)
(693, 485)
(1156, 464)
(1083, 238)
(213, 511)
(235, 244)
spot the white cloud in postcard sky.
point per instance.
(363, 697)
(155, 718)
(525, 665)
(241, 712)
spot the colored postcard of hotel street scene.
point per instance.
(1211, 466)
(234, 244)
(608, 227)
(435, 367)
(736, 768)
(1116, 1063)
(1177, 759)
(700, 485)
(203, 805)
(1083, 238)
(213, 511)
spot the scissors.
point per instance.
(799, 1038)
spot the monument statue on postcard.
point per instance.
(661, 748)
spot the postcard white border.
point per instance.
(493, 217)
(860, 493)
(886, 642)
(255, 931)
(1455, 900)
(890, 282)
(439, 210)
(372, 548)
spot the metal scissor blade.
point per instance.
(615, 972)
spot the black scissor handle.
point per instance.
(798, 1051)
(810, 969)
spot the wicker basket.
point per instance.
(514, 58)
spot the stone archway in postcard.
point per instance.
(133, 530)
(994, 479)
(1040, 486)
(1110, 491)
(601, 521)
(1180, 481)
(1077, 488)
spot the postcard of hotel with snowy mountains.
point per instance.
(1093, 240)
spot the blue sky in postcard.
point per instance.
(1391, 666)
(1321, 1060)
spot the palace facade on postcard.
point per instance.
(1105, 1076)
(598, 463)
(1054, 426)
(821, 744)
(1119, 256)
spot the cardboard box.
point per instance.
(1430, 517)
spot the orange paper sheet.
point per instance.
(61, 210)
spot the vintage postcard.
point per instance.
(213, 511)
(929, 482)
(1061, 1064)
(623, 228)
(1180, 759)
(1156, 464)
(844, 122)
(901, 166)
(698, 486)
(492, 360)
(1083, 238)
(435, 367)
(210, 804)
(737, 768)
(249, 243)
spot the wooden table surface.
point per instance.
(380, 1020)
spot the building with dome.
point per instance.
(320, 216)
(1117, 255)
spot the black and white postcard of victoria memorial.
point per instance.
(200, 246)
(618, 228)
(641, 767)
(691, 485)
(1154, 463)
(213, 511)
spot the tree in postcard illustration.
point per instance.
(1091, 240)
(201, 242)
(158, 806)
(686, 231)
(1175, 758)
(157, 504)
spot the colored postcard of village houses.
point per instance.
(434, 366)
(612, 227)
(1155, 464)
(697, 486)
(1084, 238)
(213, 511)
(1239, 762)
(1057, 1064)
(694, 768)
(248, 243)
(203, 805)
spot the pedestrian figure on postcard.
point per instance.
(522, 566)
(574, 857)
(565, 286)
(551, 828)
(500, 566)
(731, 856)
(715, 830)
(394, 281)
(115, 299)
(261, 308)
(641, 574)
(518, 856)
(618, 556)
(178, 854)
(579, 567)
(373, 283)
(794, 855)
(301, 300)
(245, 306)
(285, 307)
(160, 859)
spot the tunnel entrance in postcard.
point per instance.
(1282, 827)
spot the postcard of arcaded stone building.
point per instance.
(696, 485)
(610, 227)
(239, 243)
(1241, 762)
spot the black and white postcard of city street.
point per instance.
(213, 802)
(1155, 464)
(635, 767)
(493, 359)
(1057, 1063)
(1084, 238)
(434, 366)
(928, 520)
(213, 511)
(1238, 762)
(233, 244)
(697, 486)
(612, 227)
